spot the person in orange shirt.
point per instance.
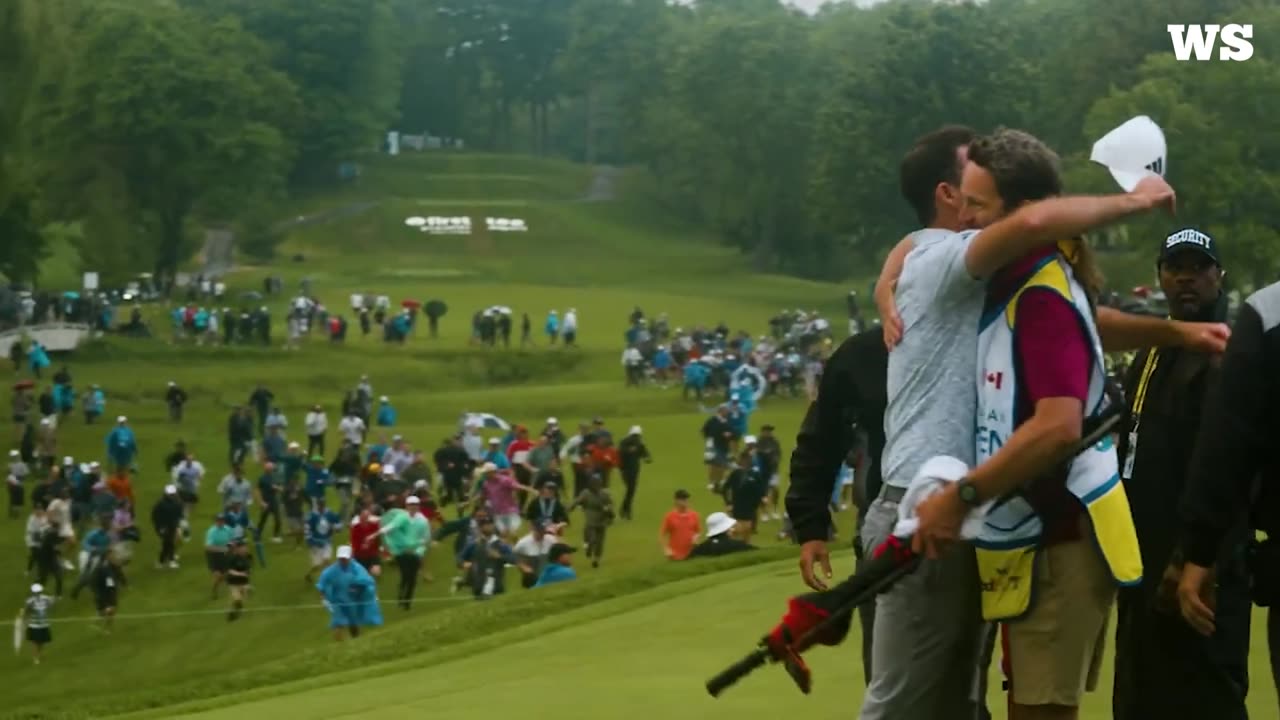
(680, 528)
(118, 485)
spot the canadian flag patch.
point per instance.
(995, 378)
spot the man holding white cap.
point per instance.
(718, 540)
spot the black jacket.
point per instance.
(167, 514)
(452, 461)
(1172, 400)
(1235, 448)
(851, 399)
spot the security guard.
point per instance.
(1233, 473)
(1163, 668)
(851, 401)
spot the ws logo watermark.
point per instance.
(1200, 40)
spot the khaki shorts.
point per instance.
(238, 592)
(1055, 652)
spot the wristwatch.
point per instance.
(968, 492)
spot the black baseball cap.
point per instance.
(559, 550)
(1189, 240)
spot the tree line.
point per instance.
(131, 125)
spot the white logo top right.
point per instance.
(1196, 42)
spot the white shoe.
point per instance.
(173, 565)
(277, 540)
(66, 565)
(711, 487)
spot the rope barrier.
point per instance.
(222, 611)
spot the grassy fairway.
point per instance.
(641, 662)
(602, 258)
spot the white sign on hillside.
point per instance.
(506, 225)
(447, 226)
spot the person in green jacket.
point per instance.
(401, 536)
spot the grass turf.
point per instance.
(602, 258)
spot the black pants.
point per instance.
(452, 491)
(315, 445)
(629, 478)
(168, 544)
(270, 510)
(409, 564)
(48, 565)
(1164, 669)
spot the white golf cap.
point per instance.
(494, 441)
(122, 419)
(383, 398)
(14, 453)
(36, 588)
(749, 440)
(344, 552)
(68, 460)
(170, 489)
(635, 430)
(552, 421)
(488, 468)
(396, 438)
(719, 523)
(412, 500)
(172, 383)
(94, 464)
(294, 445)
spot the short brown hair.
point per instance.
(1025, 170)
(1023, 167)
(929, 162)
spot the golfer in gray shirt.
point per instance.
(927, 641)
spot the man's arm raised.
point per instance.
(1045, 222)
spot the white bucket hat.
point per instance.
(719, 523)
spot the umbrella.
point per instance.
(485, 420)
(410, 304)
(436, 308)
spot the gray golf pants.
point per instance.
(928, 637)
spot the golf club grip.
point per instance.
(737, 671)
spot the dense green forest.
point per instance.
(130, 123)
